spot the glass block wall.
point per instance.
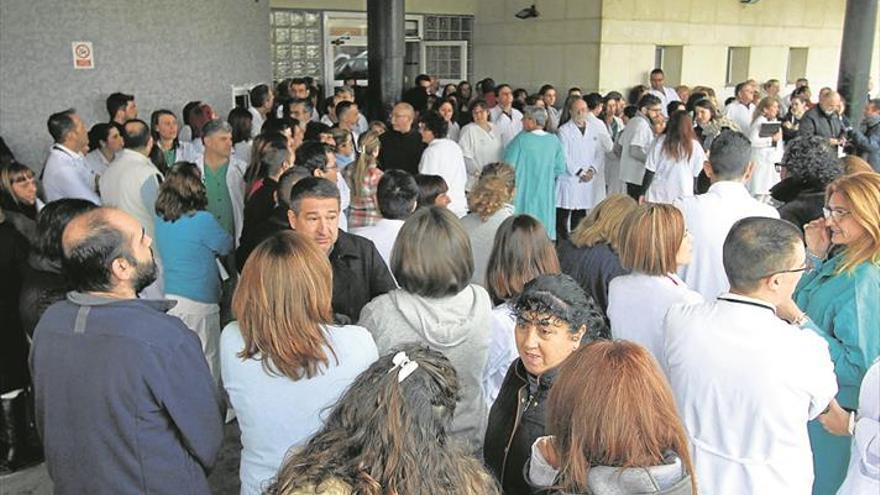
(445, 61)
(296, 43)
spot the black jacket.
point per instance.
(13, 346)
(818, 123)
(359, 275)
(253, 234)
(516, 420)
(43, 286)
(401, 151)
(593, 267)
(802, 203)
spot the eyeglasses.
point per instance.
(793, 270)
(835, 213)
(779, 167)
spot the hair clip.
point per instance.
(402, 361)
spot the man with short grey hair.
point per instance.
(223, 176)
(538, 158)
(709, 216)
(824, 120)
(755, 356)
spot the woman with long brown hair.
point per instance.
(674, 162)
(283, 360)
(363, 178)
(389, 435)
(613, 427)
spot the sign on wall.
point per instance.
(83, 55)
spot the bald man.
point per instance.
(402, 145)
(824, 120)
(125, 402)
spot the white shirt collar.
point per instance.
(730, 296)
(67, 150)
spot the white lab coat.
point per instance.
(581, 154)
(606, 145)
(443, 157)
(383, 234)
(502, 351)
(66, 175)
(479, 149)
(863, 474)
(709, 218)
(672, 178)
(235, 185)
(666, 95)
(637, 304)
(96, 162)
(257, 121)
(746, 383)
(454, 131)
(765, 156)
(507, 126)
(612, 161)
(741, 114)
(638, 132)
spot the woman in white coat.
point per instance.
(480, 144)
(576, 188)
(674, 162)
(654, 243)
(766, 151)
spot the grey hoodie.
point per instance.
(457, 326)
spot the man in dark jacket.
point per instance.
(125, 402)
(359, 273)
(824, 120)
(867, 138)
(402, 145)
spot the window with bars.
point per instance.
(296, 43)
(449, 61)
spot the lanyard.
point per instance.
(749, 303)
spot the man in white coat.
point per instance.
(604, 142)
(748, 370)
(506, 119)
(223, 176)
(65, 174)
(576, 189)
(709, 216)
(443, 157)
(742, 109)
(660, 90)
(262, 101)
(635, 143)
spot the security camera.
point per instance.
(527, 13)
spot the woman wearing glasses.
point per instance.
(18, 199)
(841, 294)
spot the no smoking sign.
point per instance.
(83, 55)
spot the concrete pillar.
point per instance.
(387, 49)
(859, 28)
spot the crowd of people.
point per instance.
(490, 293)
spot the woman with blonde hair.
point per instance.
(654, 243)
(613, 427)
(363, 179)
(490, 204)
(767, 149)
(840, 293)
(283, 360)
(591, 254)
(19, 200)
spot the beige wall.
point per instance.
(610, 43)
(560, 47)
(462, 7)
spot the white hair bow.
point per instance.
(405, 365)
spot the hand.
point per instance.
(587, 175)
(548, 449)
(643, 200)
(836, 420)
(789, 311)
(777, 137)
(834, 142)
(817, 238)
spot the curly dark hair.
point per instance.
(561, 296)
(813, 161)
(388, 435)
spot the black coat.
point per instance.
(13, 345)
(818, 123)
(593, 267)
(802, 203)
(516, 420)
(255, 233)
(401, 151)
(359, 275)
(43, 286)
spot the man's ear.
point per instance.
(121, 269)
(291, 219)
(750, 170)
(707, 168)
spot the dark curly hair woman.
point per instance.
(808, 166)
